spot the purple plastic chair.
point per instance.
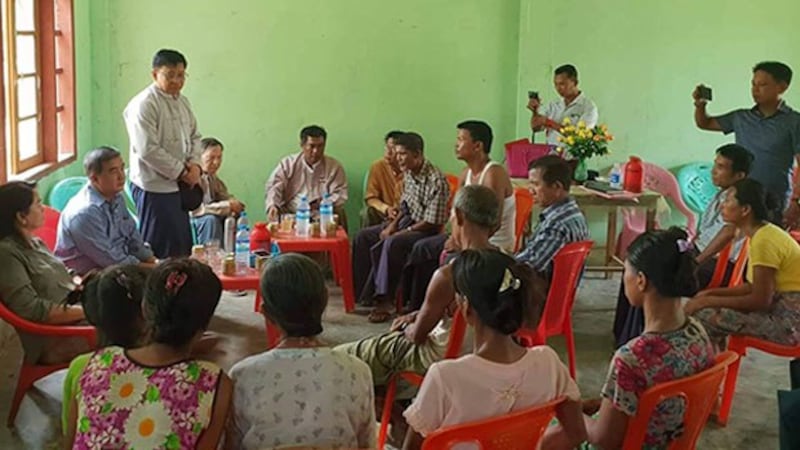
(656, 179)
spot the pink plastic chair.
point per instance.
(656, 179)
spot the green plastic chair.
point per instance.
(697, 189)
(64, 190)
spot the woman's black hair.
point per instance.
(749, 192)
(15, 197)
(667, 259)
(479, 276)
(294, 294)
(112, 302)
(180, 298)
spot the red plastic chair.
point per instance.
(48, 232)
(737, 276)
(699, 392)
(454, 184)
(29, 373)
(557, 316)
(457, 331)
(519, 430)
(524, 200)
(739, 345)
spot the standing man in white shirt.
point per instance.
(572, 104)
(164, 149)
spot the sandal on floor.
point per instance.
(379, 316)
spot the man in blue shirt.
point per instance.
(561, 221)
(770, 130)
(95, 230)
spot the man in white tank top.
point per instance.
(473, 146)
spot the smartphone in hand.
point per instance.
(704, 93)
(533, 95)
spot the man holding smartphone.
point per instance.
(572, 104)
(770, 130)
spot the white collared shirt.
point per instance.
(580, 109)
(163, 136)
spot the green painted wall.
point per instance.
(260, 70)
(640, 60)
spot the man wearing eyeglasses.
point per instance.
(164, 150)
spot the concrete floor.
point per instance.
(753, 424)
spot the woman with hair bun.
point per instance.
(496, 294)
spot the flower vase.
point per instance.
(581, 173)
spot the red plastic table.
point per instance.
(339, 249)
(250, 282)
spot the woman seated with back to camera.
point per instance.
(34, 284)
(660, 270)
(495, 293)
(301, 392)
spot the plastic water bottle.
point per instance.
(230, 234)
(242, 254)
(242, 221)
(325, 214)
(303, 218)
(615, 177)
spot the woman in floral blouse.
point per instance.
(157, 396)
(659, 271)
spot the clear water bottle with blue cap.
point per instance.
(303, 218)
(242, 253)
(326, 215)
(242, 221)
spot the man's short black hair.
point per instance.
(479, 131)
(778, 70)
(167, 57)
(208, 142)
(741, 159)
(312, 131)
(94, 160)
(569, 70)
(393, 135)
(411, 141)
(553, 170)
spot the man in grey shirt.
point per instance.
(164, 149)
(770, 130)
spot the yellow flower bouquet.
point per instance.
(582, 142)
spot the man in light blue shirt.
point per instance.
(95, 230)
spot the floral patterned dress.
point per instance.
(125, 405)
(657, 358)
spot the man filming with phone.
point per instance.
(770, 130)
(572, 104)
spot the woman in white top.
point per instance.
(301, 392)
(495, 293)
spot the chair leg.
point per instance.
(571, 351)
(728, 391)
(25, 381)
(342, 259)
(257, 302)
(386, 414)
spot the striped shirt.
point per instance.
(559, 224)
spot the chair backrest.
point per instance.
(737, 275)
(26, 326)
(524, 201)
(48, 232)
(567, 270)
(64, 190)
(697, 189)
(519, 430)
(453, 183)
(699, 393)
(658, 179)
(458, 328)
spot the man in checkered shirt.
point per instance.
(380, 251)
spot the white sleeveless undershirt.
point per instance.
(505, 237)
